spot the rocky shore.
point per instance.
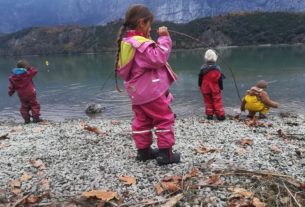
(55, 163)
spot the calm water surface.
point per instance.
(70, 82)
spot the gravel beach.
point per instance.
(71, 157)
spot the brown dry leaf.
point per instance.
(115, 122)
(4, 136)
(284, 200)
(17, 129)
(38, 129)
(15, 184)
(194, 172)
(175, 178)
(212, 180)
(204, 150)
(240, 151)
(93, 129)
(173, 201)
(32, 199)
(246, 141)
(237, 201)
(257, 203)
(25, 177)
(276, 149)
(170, 186)
(4, 145)
(45, 184)
(128, 180)
(38, 164)
(302, 186)
(16, 191)
(282, 134)
(241, 191)
(159, 189)
(100, 194)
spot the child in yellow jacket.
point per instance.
(257, 100)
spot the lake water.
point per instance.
(70, 82)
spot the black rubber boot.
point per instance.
(166, 156)
(37, 120)
(209, 117)
(147, 154)
(27, 121)
(221, 118)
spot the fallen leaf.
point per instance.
(275, 149)
(237, 201)
(257, 203)
(128, 180)
(194, 172)
(175, 178)
(173, 201)
(302, 186)
(241, 191)
(284, 200)
(4, 145)
(38, 164)
(240, 151)
(37, 130)
(115, 122)
(246, 141)
(170, 186)
(212, 180)
(282, 134)
(103, 195)
(17, 129)
(16, 191)
(4, 136)
(15, 184)
(158, 189)
(45, 184)
(32, 199)
(93, 129)
(25, 177)
(204, 150)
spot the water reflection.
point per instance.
(69, 83)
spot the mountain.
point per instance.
(19, 14)
(227, 30)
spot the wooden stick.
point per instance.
(21, 200)
(295, 200)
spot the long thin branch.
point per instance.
(295, 200)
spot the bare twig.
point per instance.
(21, 200)
(295, 200)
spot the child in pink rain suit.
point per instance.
(142, 64)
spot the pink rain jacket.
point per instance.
(143, 67)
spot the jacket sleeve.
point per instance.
(11, 88)
(267, 101)
(200, 78)
(32, 72)
(243, 105)
(220, 81)
(154, 56)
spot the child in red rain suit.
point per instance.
(21, 81)
(142, 64)
(210, 83)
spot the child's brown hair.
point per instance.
(23, 64)
(132, 17)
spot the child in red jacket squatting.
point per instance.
(142, 64)
(21, 81)
(210, 83)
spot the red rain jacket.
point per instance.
(23, 84)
